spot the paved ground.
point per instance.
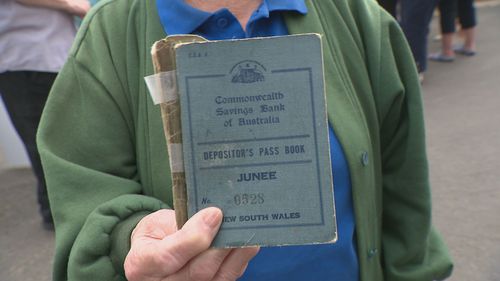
(462, 102)
(26, 249)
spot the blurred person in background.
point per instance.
(466, 13)
(414, 18)
(35, 38)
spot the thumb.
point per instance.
(192, 239)
(211, 217)
(204, 223)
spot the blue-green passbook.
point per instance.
(255, 138)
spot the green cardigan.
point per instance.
(104, 154)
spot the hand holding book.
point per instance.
(160, 251)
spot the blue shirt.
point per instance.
(313, 262)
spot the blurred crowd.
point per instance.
(415, 17)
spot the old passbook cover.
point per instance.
(255, 138)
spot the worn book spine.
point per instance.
(163, 57)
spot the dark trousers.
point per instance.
(24, 94)
(414, 18)
(450, 9)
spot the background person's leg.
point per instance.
(448, 14)
(468, 22)
(415, 20)
(24, 94)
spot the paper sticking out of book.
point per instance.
(247, 131)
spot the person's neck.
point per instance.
(241, 9)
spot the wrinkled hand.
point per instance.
(78, 8)
(74, 7)
(160, 252)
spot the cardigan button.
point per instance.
(222, 22)
(364, 158)
(372, 253)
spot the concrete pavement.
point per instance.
(26, 249)
(462, 101)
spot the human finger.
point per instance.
(192, 239)
(79, 8)
(150, 257)
(202, 267)
(141, 262)
(235, 264)
(156, 225)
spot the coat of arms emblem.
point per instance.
(248, 71)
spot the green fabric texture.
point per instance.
(104, 153)
(105, 237)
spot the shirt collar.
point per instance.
(298, 6)
(177, 17)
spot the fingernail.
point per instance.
(213, 218)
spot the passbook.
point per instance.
(252, 136)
